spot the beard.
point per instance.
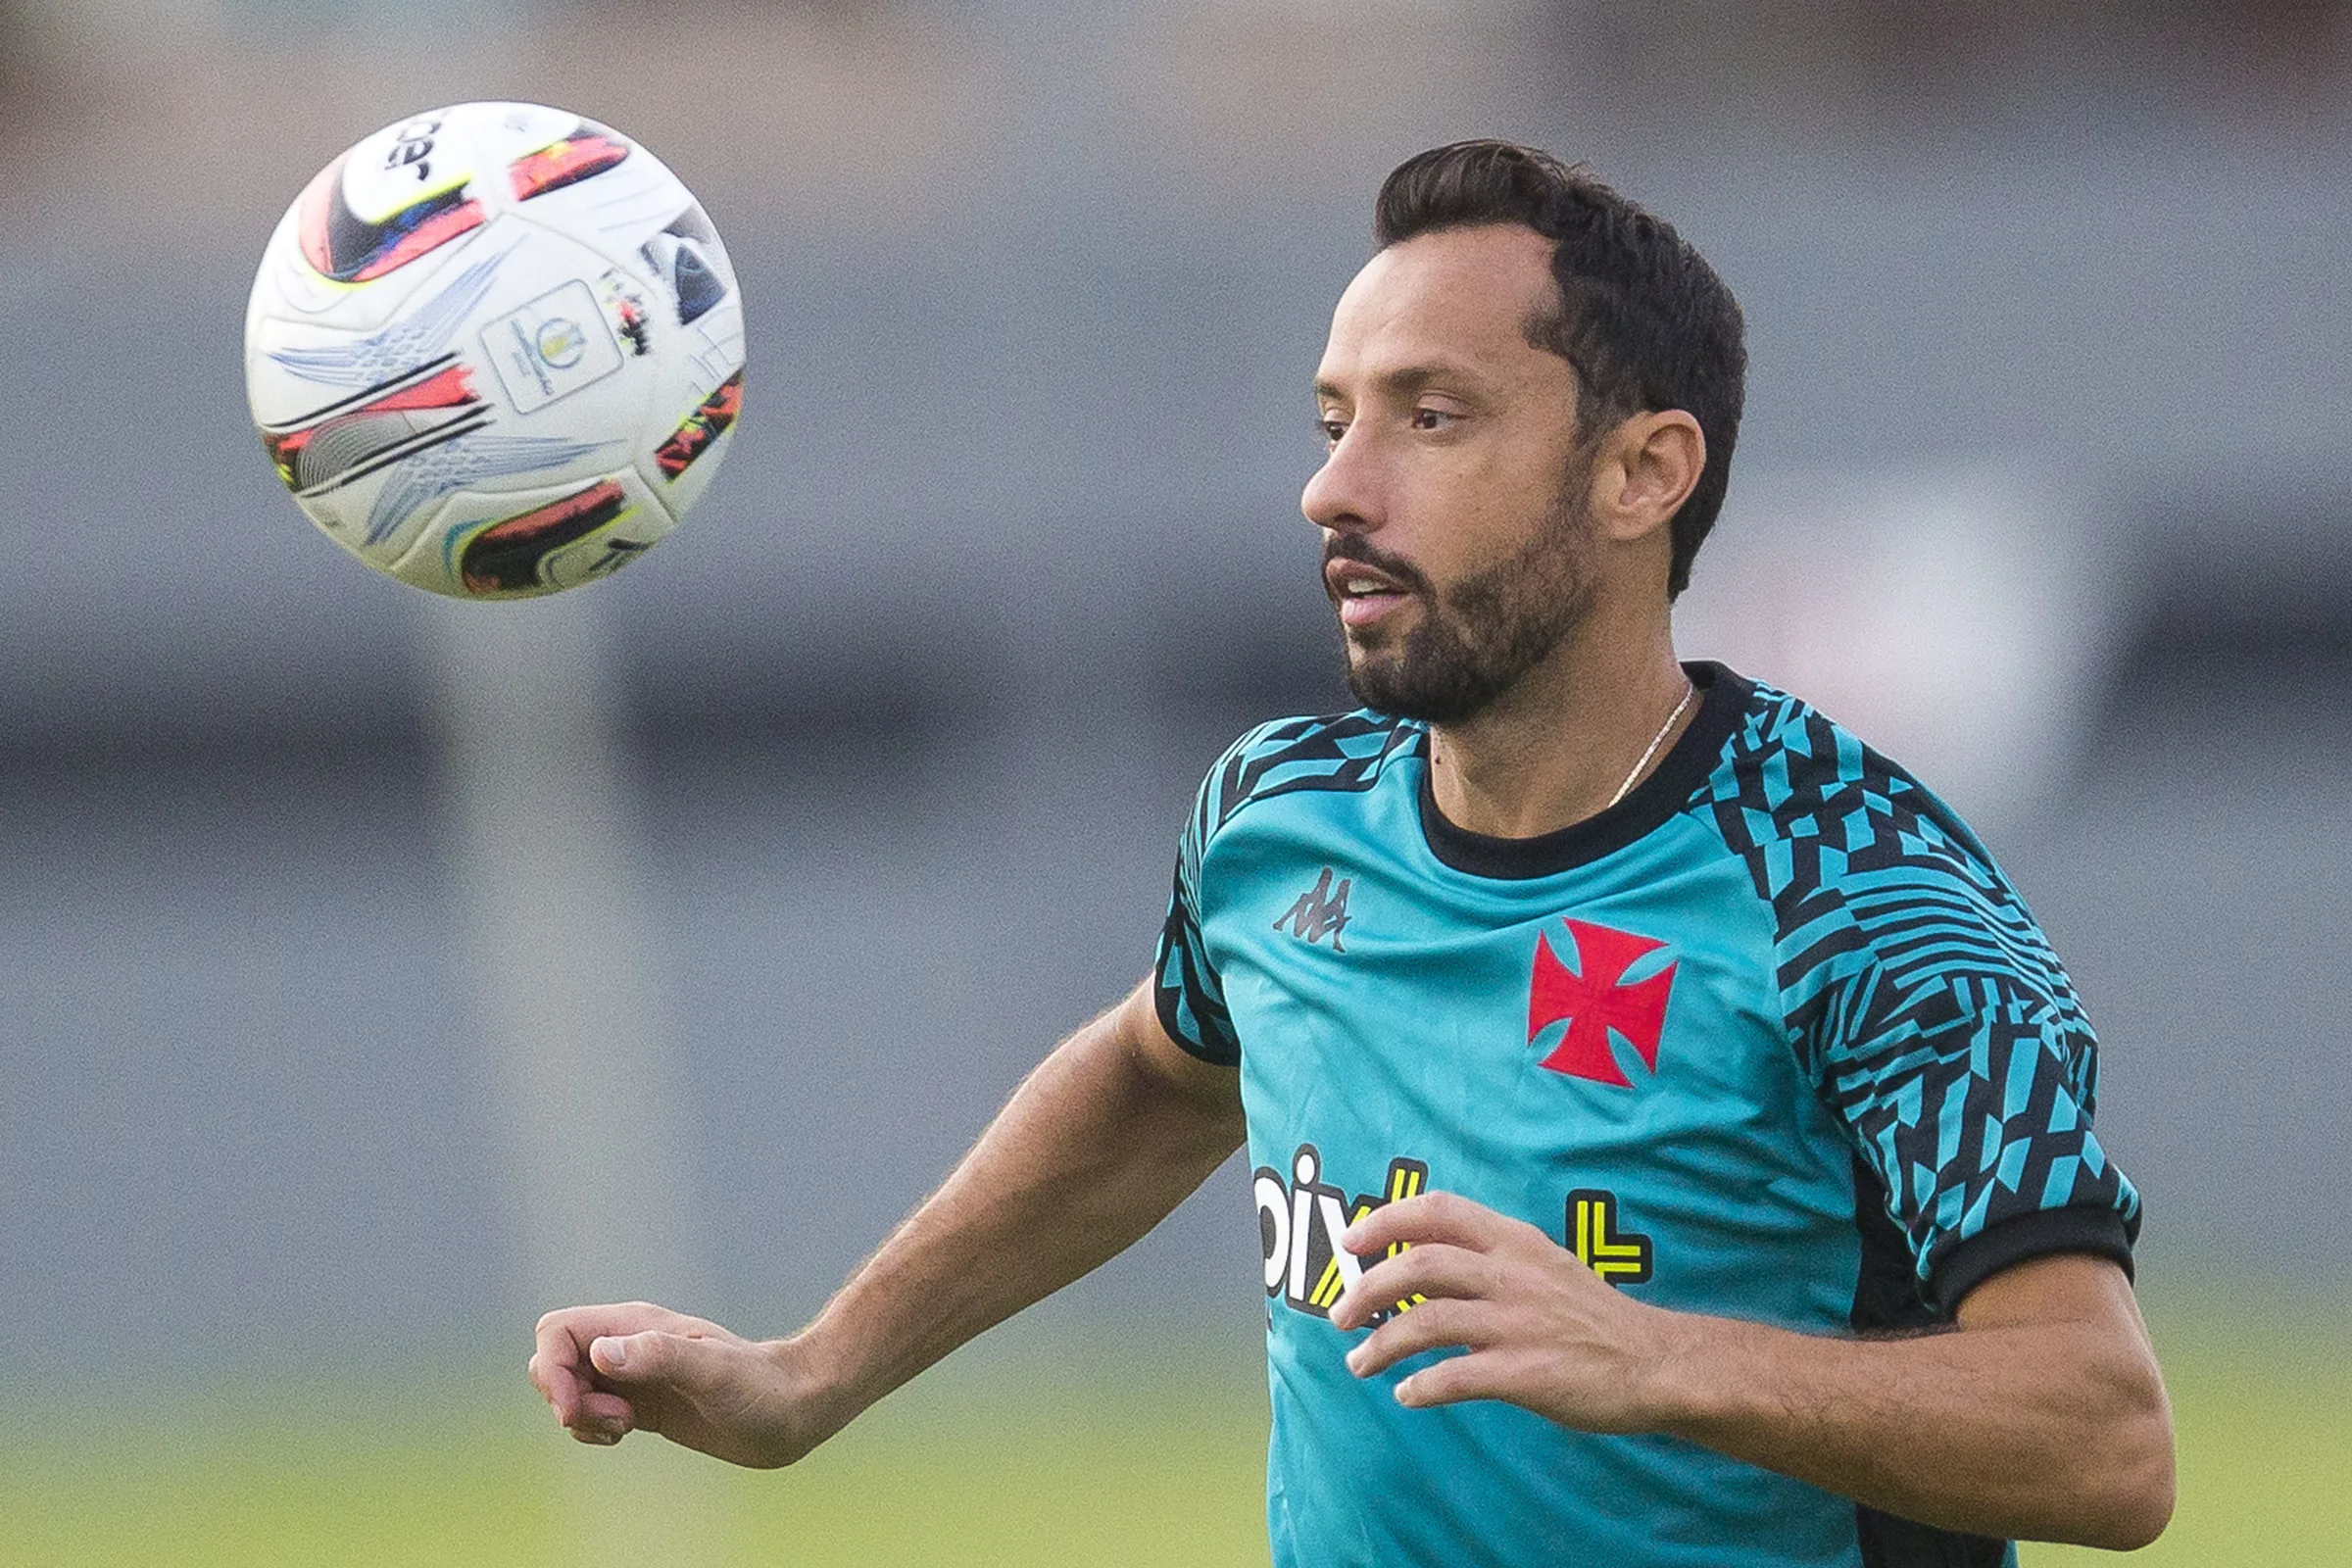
(1477, 637)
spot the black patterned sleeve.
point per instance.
(1190, 1001)
(1929, 1011)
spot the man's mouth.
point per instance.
(1363, 594)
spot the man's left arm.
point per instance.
(2040, 1414)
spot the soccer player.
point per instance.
(1672, 1133)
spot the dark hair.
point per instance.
(1642, 319)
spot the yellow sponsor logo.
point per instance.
(1621, 1257)
(1301, 1216)
(1299, 1222)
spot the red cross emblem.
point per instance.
(1595, 1003)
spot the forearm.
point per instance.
(1092, 1151)
(2050, 1430)
(2043, 1416)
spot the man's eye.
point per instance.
(1431, 418)
(1333, 429)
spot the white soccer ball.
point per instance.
(495, 350)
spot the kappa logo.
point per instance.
(1597, 1002)
(1321, 911)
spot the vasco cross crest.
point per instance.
(1596, 1004)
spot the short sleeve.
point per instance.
(1946, 1039)
(1343, 752)
(1924, 1003)
(1190, 999)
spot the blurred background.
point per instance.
(873, 773)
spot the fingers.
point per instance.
(561, 1368)
(1430, 1269)
(557, 1372)
(1434, 1325)
(1480, 1375)
(602, 1419)
(589, 1413)
(1430, 1218)
(573, 1328)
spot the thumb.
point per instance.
(651, 1356)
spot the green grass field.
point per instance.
(1023, 1457)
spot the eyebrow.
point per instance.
(1403, 381)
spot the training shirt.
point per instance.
(1772, 1038)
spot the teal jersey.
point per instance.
(1771, 1039)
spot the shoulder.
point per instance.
(1333, 753)
(1872, 879)
(1809, 803)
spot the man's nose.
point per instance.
(1345, 493)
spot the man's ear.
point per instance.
(1644, 471)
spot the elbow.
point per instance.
(2127, 1499)
(2092, 1465)
(2138, 1510)
(2129, 1519)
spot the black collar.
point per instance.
(1723, 698)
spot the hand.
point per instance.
(1541, 1330)
(610, 1370)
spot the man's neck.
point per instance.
(1569, 738)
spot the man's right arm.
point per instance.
(1110, 1133)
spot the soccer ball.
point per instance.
(495, 350)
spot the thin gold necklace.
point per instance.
(1655, 741)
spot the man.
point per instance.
(1672, 1087)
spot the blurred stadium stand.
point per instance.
(1008, 549)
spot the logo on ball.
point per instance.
(561, 343)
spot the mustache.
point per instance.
(1353, 547)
